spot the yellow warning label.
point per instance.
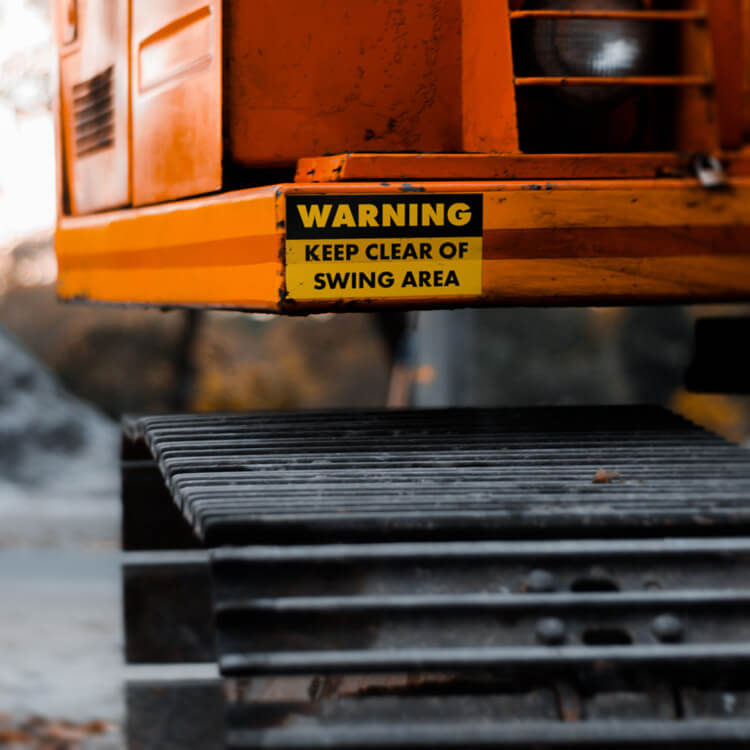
(407, 246)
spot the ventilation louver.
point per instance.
(93, 113)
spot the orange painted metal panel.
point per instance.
(727, 39)
(564, 242)
(489, 104)
(359, 167)
(94, 109)
(714, 276)
(176, 99)
(697, 121)
(694, 14)
(430, 76)
(222, 251)
(556, 81)
(317, 76)
(616, 203)
(745, 64)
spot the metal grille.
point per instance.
(505, 619)
(446, 474)
(585, 643)
(564, 72)
(548, 608)
(392, 730)
(652, 16)
(93, 113)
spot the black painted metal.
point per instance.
(654, 652)
(150, 520)
(520, 718)
(281, 477)
(175, 715)
(721, 362)
(456, 559)
(501, 734)
(167, 607)
(676, 604)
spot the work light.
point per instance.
(606, 47)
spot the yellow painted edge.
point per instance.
(247, 216)
(244, 213)
(232, 286)
(218, 251)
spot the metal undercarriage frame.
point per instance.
(446, 578)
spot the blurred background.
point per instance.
(67, 374)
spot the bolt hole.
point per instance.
(606, 637)
(583, 585)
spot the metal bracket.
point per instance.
(709, 171)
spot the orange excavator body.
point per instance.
(326, 155)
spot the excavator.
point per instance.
(423, 578)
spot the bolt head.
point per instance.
(550, 631)
(540, 582)
(668, 628)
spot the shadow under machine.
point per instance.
(437, 578)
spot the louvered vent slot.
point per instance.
(601, 75)
(93, 113)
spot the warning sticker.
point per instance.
(355, 246)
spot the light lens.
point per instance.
(590, 47)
